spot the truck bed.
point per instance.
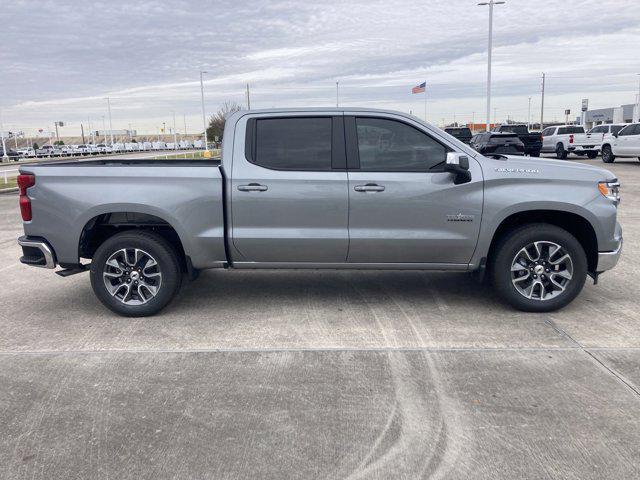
(185, 194)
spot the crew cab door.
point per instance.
(629, 141)
(289, 199)
(548, 139)
(403, 207)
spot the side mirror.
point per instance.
(458, 165)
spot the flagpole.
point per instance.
(425, 100)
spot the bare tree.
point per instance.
(216, 122)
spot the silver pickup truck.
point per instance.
(323, 188)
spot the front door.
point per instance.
(289, 191)
(403, 208)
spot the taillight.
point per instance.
(570, 138)
(24, 182)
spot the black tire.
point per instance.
(513, 242)
(160, 250)
(592, 155)
(535, 154)
(561, 153)
(607, 154)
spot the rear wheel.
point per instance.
(539, 268)
(135, 273)
(535, 154)
(561, 153)
(592, 155)
(607, 154)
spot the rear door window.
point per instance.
(295, 143)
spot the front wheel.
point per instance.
(135, 273)
(607, 154)
(539, 268)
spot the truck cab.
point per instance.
(625, 144)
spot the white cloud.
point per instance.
(63, 58)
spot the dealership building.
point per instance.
(622, 114)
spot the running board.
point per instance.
(67, 272)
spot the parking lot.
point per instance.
(320, 374)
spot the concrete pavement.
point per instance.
(320, 375)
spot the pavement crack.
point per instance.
(617, 375)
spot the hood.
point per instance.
(550, 168)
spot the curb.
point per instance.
(8, 190)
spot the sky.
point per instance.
(61, 59)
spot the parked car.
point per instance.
(493, 143)
(532, 141)
(625, 143)
(461, 133)
(12, 154)
(372, 189)
(565, 139)
(67, 150)
(82, 149)
(28, 152)
(602, 134)
(49, 151)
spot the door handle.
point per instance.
(369, 187)
(253, 187)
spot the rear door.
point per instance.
(548, 139)
(403, 208)
(624, 142)
(289, 199)
(634, 142)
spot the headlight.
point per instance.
(611, 190)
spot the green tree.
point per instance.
(216, 122)
(58, 142)
(35, 146)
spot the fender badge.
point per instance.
(460, 218)
(517, 170)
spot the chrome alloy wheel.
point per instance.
(132, 276)
(541, 270)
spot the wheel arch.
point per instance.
(103, 226)
(572, 222)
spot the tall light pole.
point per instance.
(175, 134)
(542, 104)
(491, 3)
(638, 101)
(529, 115)
(5, 157)
(104, 130)
(204, 117)
(337, 94)
(110, 124)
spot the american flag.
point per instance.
(419, 88)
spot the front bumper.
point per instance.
(608, 260)
(36, 252)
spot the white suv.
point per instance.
(625, 143)
(566, 139)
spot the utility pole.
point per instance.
(638, 101)
(529, 115)
(491, 3)
(542, 105)
(204, 117)
(337, 94)
(175, 134)
(5, 157)
(82, 130)
(57, 135)
(184, 119)
(248, 98)
(110, 124)
(104, 130)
